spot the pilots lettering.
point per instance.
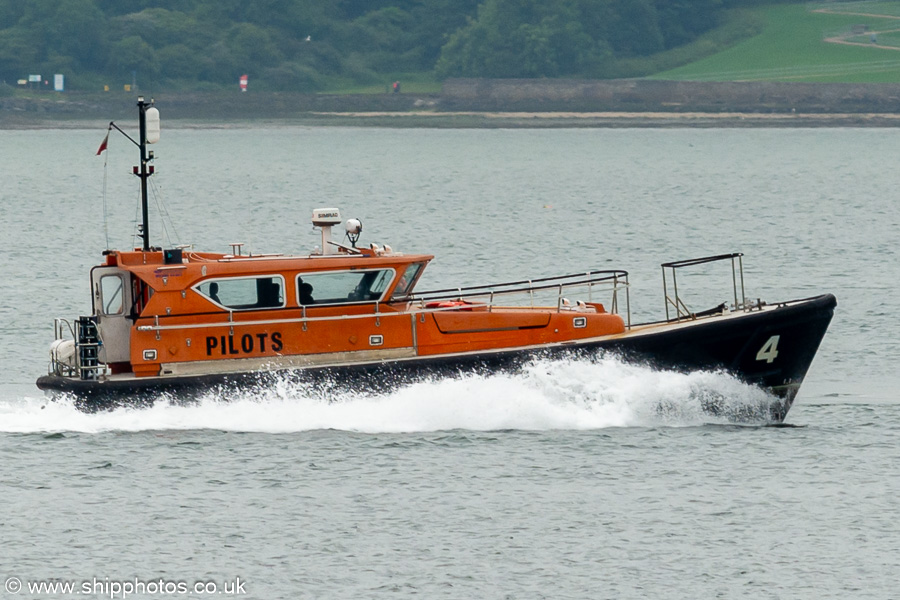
(248, 343)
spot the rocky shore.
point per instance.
(492, 103)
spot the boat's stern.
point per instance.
(74, 354)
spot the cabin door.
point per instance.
(112, 296)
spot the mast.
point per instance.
(148, 124)
(144, 174)
(148, 120)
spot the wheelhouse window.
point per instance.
(407, 281)
(112, 289)
(245, 293)
(341, 287)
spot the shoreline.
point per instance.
(487, 120)
(611, 119)
(488, 103)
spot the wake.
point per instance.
(559, 394)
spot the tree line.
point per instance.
(309, 45)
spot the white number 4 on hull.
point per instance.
(769, 351)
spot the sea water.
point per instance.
(573, 479)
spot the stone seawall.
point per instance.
(499, 103)
(202, 105)
(572, 95)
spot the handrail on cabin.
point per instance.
(613, 281)
(607, 276)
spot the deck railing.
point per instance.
(564, 292)
(549, 292)
(83, 362)
(675, 301)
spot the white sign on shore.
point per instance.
(58, 82)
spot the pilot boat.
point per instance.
(175, 320)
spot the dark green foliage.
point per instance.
(510, 38)
(78, 30)
(681, 21)
(531, 38)
(310, 44)
(133, 54)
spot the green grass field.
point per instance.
(793, 47)
(866, 7)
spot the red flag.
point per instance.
(103, 145)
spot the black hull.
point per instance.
(730, 343)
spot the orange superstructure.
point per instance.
(183, 312)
